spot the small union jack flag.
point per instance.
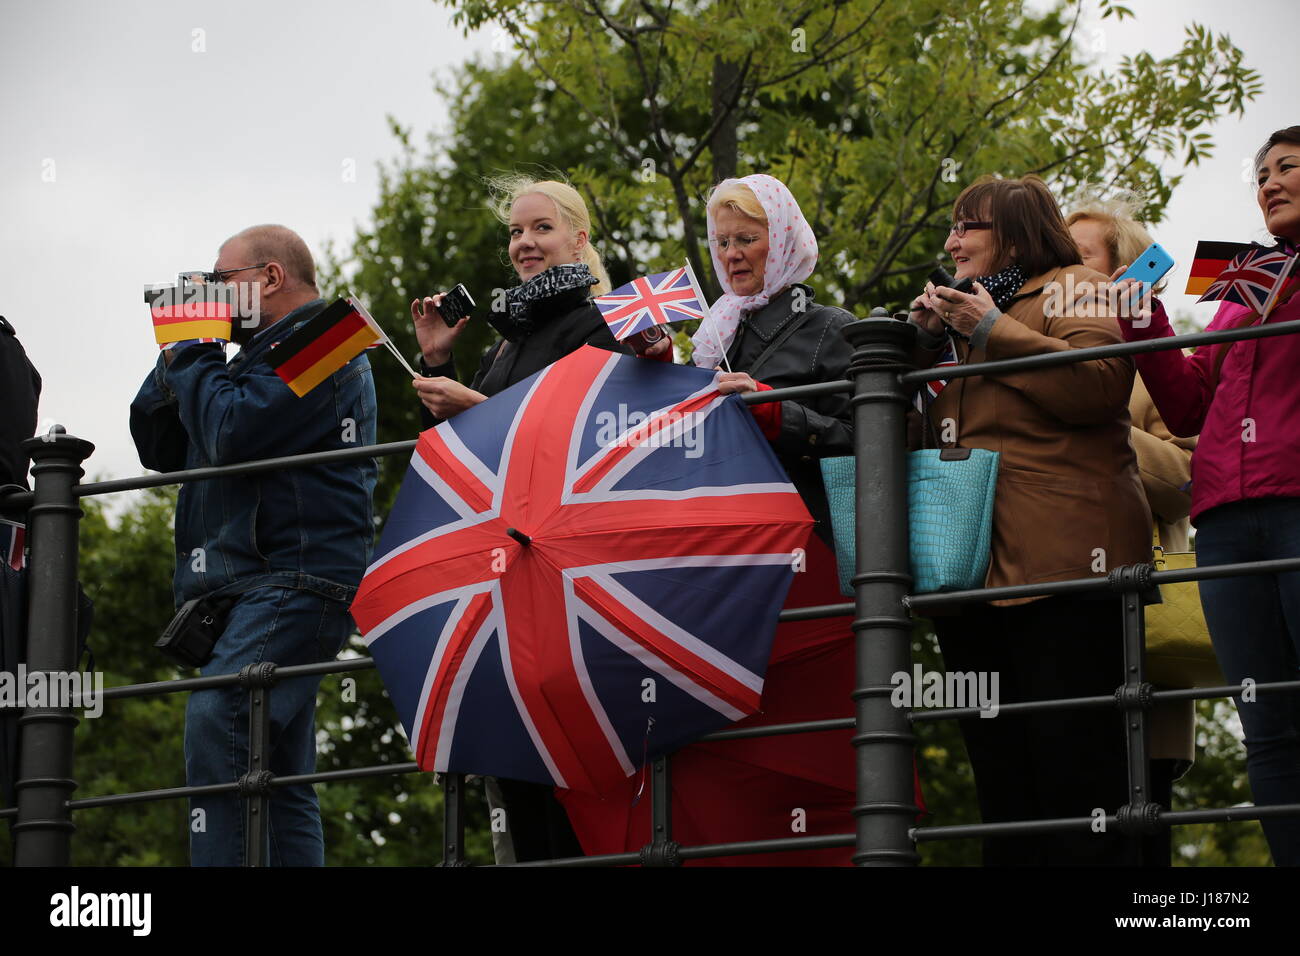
(947, 357)
(651, 300)
(13, 541)
(1253, 279)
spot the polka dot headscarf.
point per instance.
(791, 256)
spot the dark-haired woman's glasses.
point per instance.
(960, 227)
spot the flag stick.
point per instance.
(398, 355)
(383, 336)
(708, 315)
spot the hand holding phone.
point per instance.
(1146, 270)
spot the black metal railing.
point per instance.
(881, 379)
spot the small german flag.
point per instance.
(322, 346)
(1211, 259)
(179, 321)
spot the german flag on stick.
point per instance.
(198, 318)
(1210, 261)
(322, 346)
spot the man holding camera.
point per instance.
(266, 562)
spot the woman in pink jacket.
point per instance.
(1243, 398)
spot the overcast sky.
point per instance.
(138, 135)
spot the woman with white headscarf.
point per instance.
(774, 335)
(772, 331)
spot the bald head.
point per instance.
(271, 243)
(278, 263)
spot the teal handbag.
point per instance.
(949, 512)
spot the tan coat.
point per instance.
(1069, 499)
(1165, 464)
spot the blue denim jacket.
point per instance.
(303, 527)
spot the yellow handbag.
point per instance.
(1179, 652)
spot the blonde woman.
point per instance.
(1109, 238)
(547, 316)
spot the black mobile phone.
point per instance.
(455, 305)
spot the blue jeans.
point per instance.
(286, 626)
(1255, 625)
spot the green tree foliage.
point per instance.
(876, 114)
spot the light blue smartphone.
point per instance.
(1148, 268)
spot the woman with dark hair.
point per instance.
(1069, 504)
(1241, 397)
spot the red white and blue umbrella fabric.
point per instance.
(603, 545)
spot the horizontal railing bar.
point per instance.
(354, 773)
(172, 793)
(20, 501)
(777, 730)
(784, 844)
(1026, 363)
(183, 684)
(815, 390)
(150, 796)
(1172, 818)
(814, 611)
(1099, 702)
(920, 602)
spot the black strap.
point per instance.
(781, 339)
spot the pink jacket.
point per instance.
(1249, 426)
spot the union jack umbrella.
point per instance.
(1252, 279)
(607, 542)
(651, 300)
(13, 544)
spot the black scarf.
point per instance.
(526, 303)
(1004, 285)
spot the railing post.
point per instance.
(43, 833)
(885, 808)
(255, 785)
(662, 848)
(453, 820)
(1139, 814)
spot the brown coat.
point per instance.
(1069, 500)
(1165, 464)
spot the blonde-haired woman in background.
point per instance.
(547, 316)
(1110, 238)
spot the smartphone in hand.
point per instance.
(1148, 269)
(455, 305)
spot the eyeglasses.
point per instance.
(743, 242)
(961, 227)
(200, 278)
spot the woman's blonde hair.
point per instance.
(1125, 238)
(740, 198)
(570, 205)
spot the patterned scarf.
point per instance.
(1003, 286)
(544, 285)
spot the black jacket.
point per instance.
(20, 387)
(815, 352)
(564, 323)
